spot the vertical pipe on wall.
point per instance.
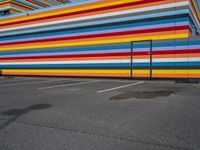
(131, 57)
(151, 58)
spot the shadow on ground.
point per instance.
(16, 113)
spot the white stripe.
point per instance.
(104, 61)
(66, 85)
(100, 32)
(166, 60)
(176, 59)
(119, 87)
(100, 15)
(25, 83)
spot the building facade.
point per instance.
(18, 6)
(104, 38)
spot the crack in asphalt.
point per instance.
(100, 135)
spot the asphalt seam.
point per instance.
(100, 135)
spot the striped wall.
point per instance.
(95, 38)
(175, 58)
(17, 6)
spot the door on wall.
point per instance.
(141, 59)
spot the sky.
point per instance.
(198, 3)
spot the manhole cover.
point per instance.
(143, 94)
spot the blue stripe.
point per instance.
(165, 64)
(70, 49)
(103, 65)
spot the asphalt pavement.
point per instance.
(43, 113)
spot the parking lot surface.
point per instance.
(43, 113)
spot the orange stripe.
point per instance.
(169, 76)
(69, 74)
(67, 59)
(194, 75)
(176, 55)
(108, 75)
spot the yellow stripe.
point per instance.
(177, 71)
(141, 71)
(67, 10)
(194, 71)
(163, 71)
(5, 7)
(4, 71)
(5, 1)
(77, 43)
(168, 71)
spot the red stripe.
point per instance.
(168, 52)
(83, 11)
(69, 56)
(106, 54)
(99, 35)
(3, 3)
(177, 52)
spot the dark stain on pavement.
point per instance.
(143, 94)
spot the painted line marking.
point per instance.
(66, 85)
(25, 83)
(117, 81)
(15, 80)
(24, 79)
(119, 87)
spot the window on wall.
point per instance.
(4, 12)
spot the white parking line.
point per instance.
(118, 81)
(24, 83)
(14, 80)
(65, 85)
(119, 87)
(24, 79)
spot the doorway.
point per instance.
(141, 59)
